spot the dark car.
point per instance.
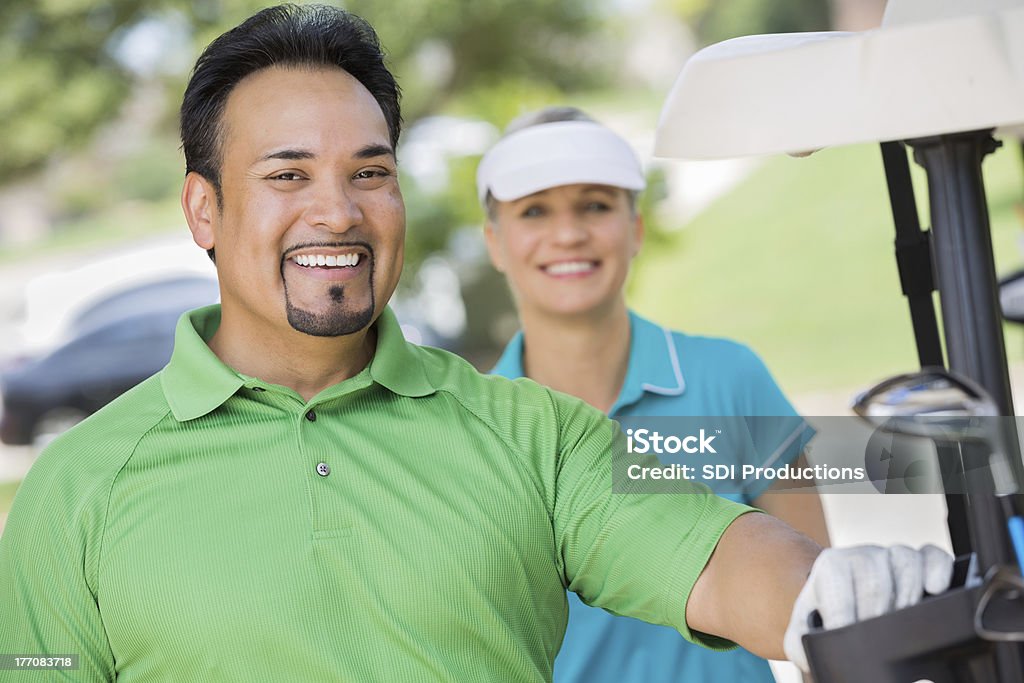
(114, 344)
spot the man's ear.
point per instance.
(493, 248)
(199, 202)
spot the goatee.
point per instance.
(339, 320)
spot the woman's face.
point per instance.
(566, 250)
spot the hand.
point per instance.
(852, 584)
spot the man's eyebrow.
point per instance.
(367, 152)
(371, 151)
(288, 155)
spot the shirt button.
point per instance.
(311, 416)
(323, 469)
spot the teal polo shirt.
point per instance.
(674, 374)
(417, 522)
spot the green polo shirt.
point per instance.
(417, 522)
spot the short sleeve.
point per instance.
(631, 553)
(47, 603)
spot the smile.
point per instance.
(327, 260)
(570, 267)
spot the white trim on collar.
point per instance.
(676, 369)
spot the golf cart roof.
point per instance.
(933, 67)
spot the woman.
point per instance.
(560, 193)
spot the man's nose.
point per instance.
(334, 207)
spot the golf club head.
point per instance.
(934, 403)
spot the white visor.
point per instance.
(552, 154)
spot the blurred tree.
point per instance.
(716, 20)
(64, 70)
(60, 72)
(56, 81)
(446, 47)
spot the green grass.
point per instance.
(797, 261)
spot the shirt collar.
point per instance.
(196, 381)
(653, 363)
(511, 362)
(398, 364)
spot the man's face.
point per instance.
(310, 233)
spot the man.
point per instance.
(302, 495)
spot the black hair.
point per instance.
(286, 35)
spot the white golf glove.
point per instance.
(852, 584)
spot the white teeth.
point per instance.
(569, 267)
(325, 260)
